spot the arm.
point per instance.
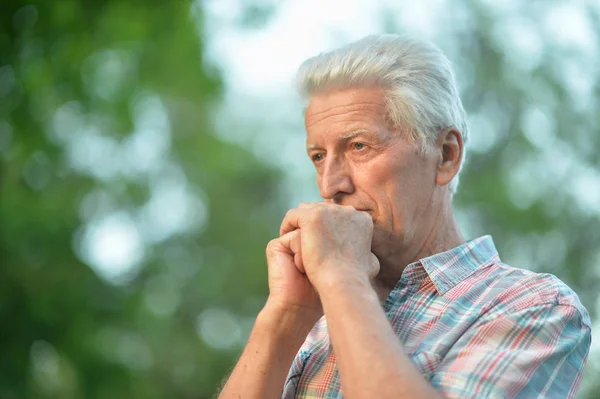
(336, 254)
(281, 327)
(534, 352)
(265, 362)
(539, 351)
(511, 353)
(370, 358)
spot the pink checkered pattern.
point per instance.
(473, 327)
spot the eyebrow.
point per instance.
(353, 134)
(347, 136)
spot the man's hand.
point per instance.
(334, 241)
(289, 287)
(281, 327)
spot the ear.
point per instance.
(450, 142)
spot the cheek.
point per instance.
(395, 190)
(383, 186)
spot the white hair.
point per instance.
(422, 97)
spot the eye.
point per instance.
(358, 146)
(317, 157)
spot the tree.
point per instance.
(132, 234)
(123, 215)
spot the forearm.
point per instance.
(370, 358)
(266, 360)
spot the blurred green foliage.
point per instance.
(73, 77)
(108, 147)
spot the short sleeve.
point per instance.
(291, 382)
(539, 351)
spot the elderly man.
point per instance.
(374, 293)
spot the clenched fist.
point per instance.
(289, 287)
(334, 243)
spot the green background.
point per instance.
(85, 86)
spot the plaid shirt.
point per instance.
(473, 327)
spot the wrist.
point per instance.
(273, 343)
(288, 321)
(333, 287)
(332, 276)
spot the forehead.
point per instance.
(364, 105)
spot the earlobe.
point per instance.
(451, 144)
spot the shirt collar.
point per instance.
(447, 269)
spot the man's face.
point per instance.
(362, 161)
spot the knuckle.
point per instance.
(346, 209)
(271, 245)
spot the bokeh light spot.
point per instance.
(112, 246)
(219, 328)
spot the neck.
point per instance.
(443, 235)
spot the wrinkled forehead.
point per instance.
(367, 105)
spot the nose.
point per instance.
(335, 180)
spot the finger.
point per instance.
(291, 221)
(307, 205)
(298, 262)
(291, 241)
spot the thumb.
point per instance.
(373, 266)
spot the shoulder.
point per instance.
(501, 287)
